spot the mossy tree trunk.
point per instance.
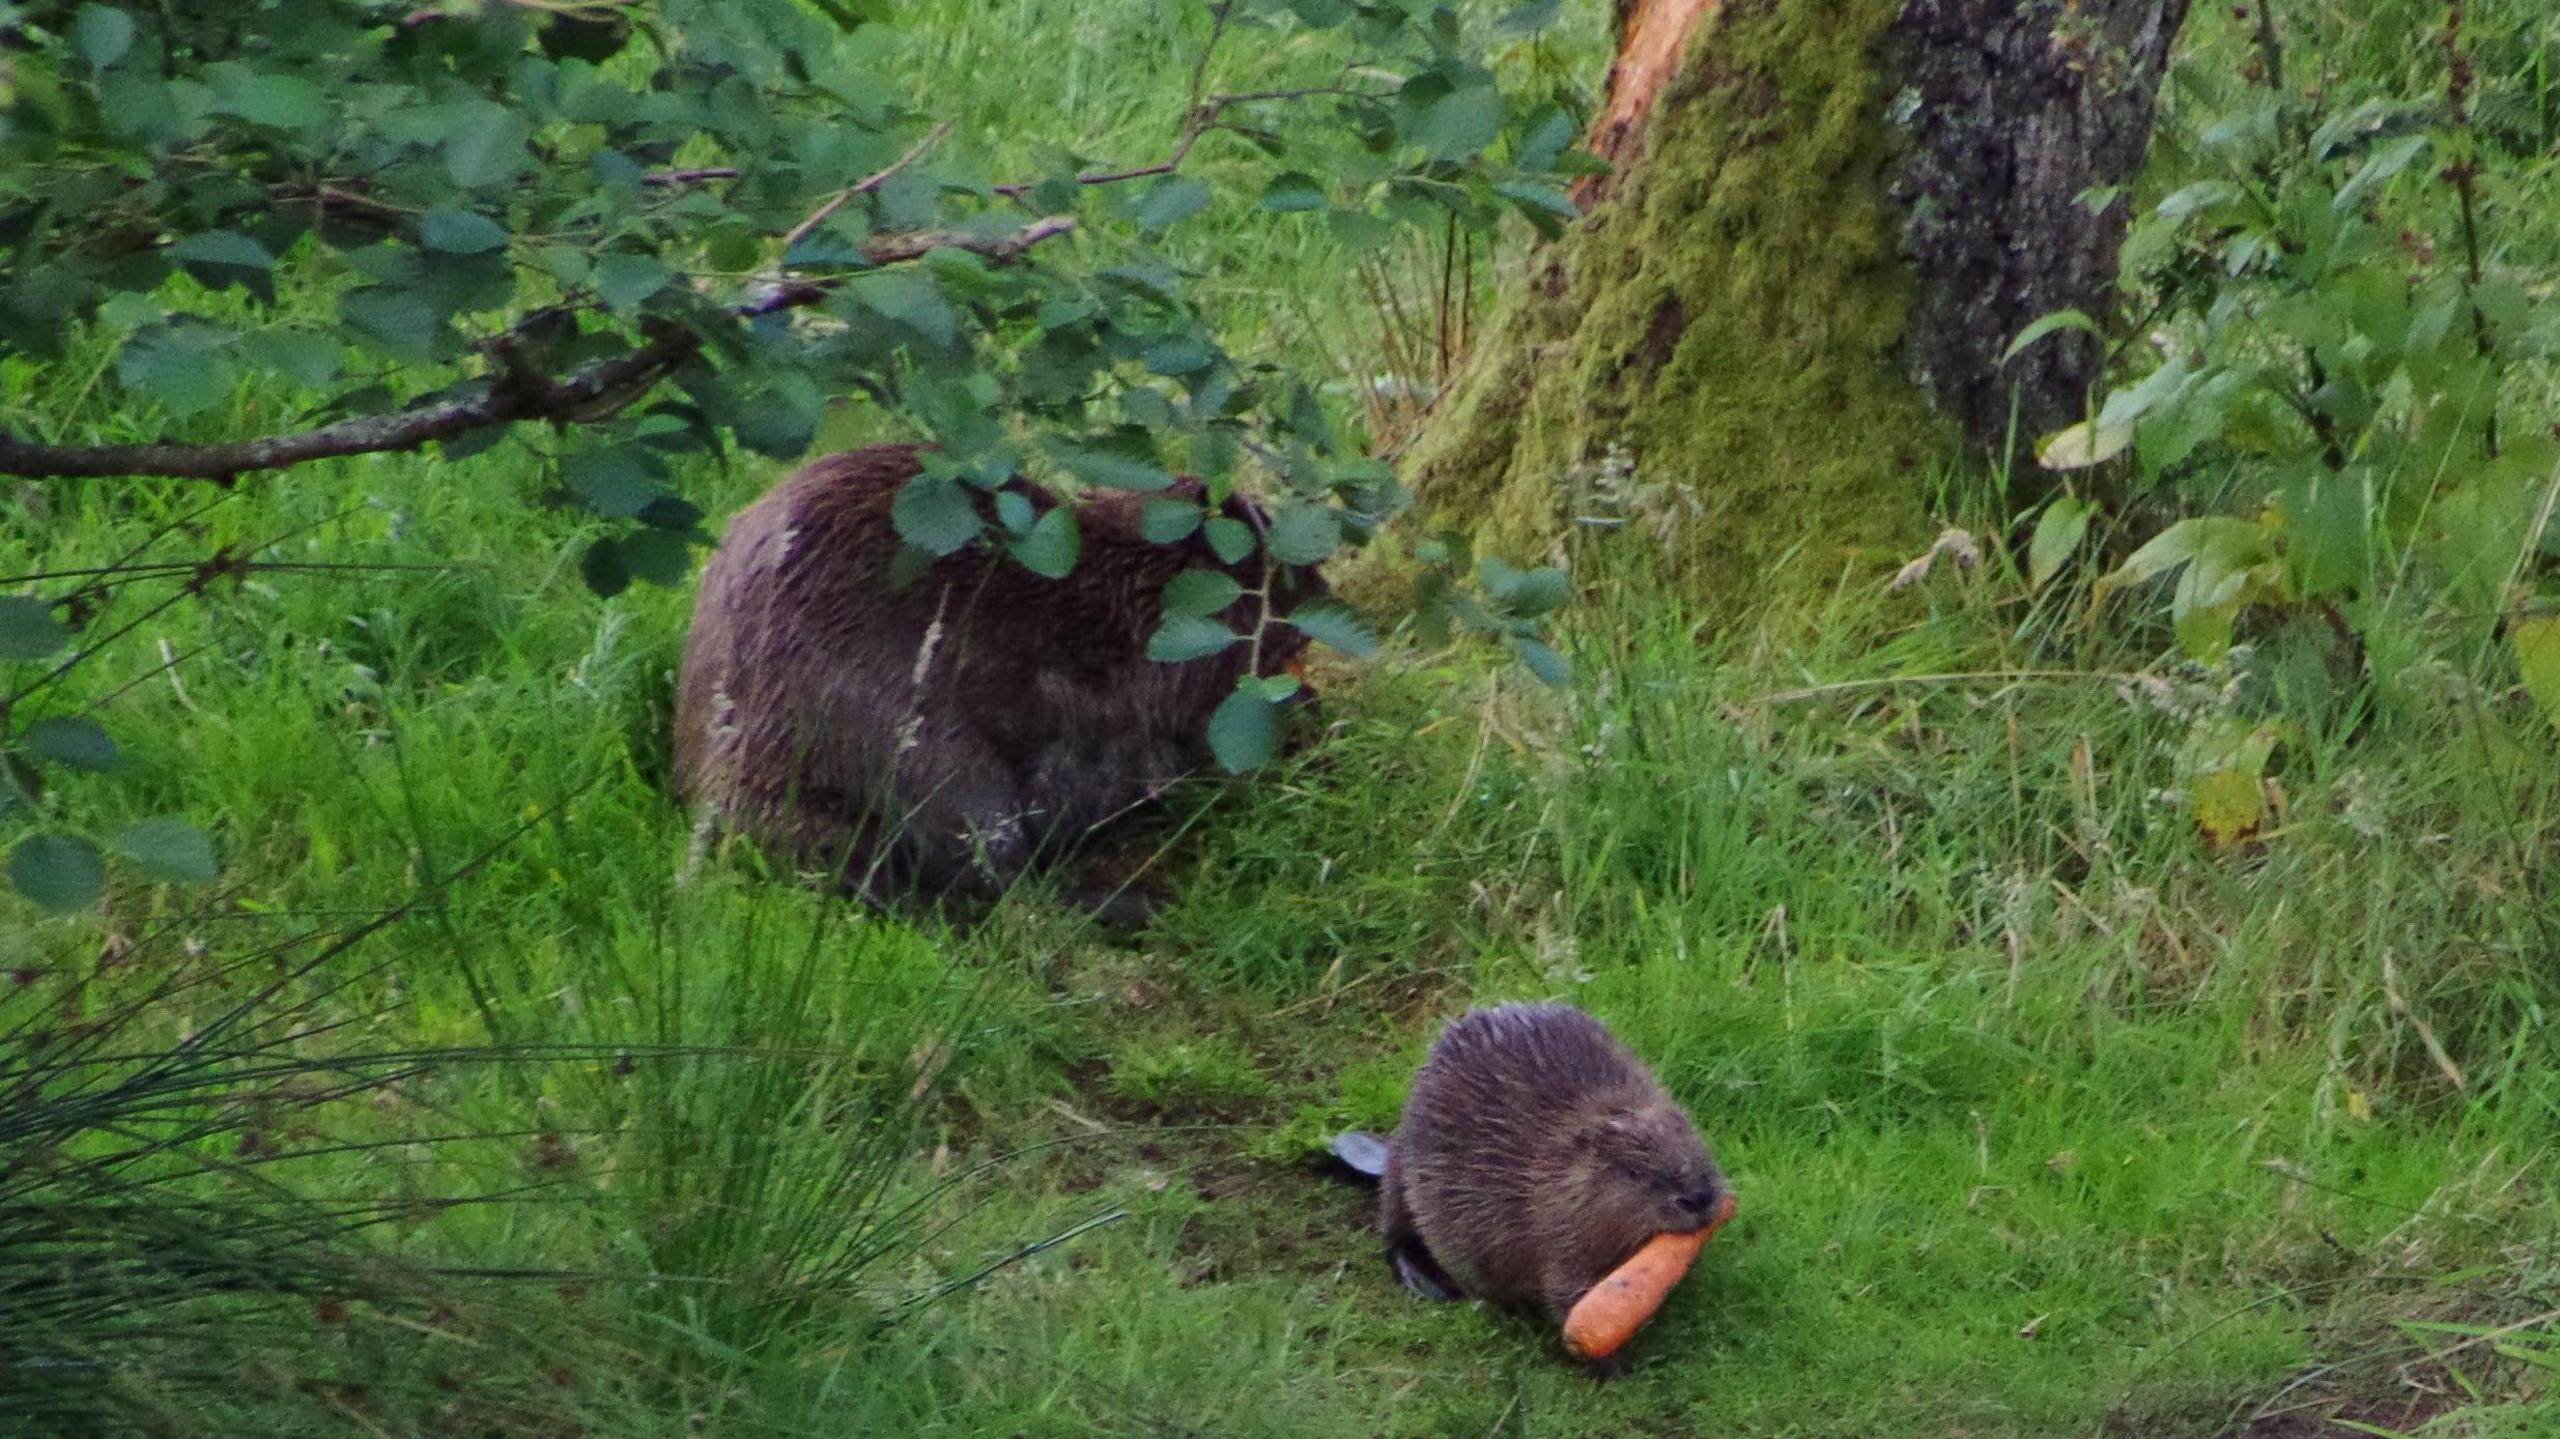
(1793, 298)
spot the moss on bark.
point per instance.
(1730, 317)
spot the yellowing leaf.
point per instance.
(2228, 804)
(2084, 444)
(2359, 1107)
(2537, 643)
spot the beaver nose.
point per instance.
(1699, 1200)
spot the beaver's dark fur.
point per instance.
(940, 736)
(1535, 1155)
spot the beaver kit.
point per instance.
(942, 734)
(1535, 1159)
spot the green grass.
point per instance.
(2048, 1117)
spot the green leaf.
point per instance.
(283, 102)
(1545, 139)
(398, 321)
(1149, 408)
(1528, 19)
(2537, 646)
(461, 232)
(1108, 468)
(1050, 549)
(222, 250)
(2058, 533)
(28, 630)
(60, 872)
(307, 359)
(1188, 637)
(2195, 414)
(624, 281)
(1164, 522)
(617, 483)
(2387, 160)
(2196, 198)
(1304, 533)
(1014, 512)
(658, 556)
(1539, 592)
(2163, 552)
(2058, 320)
(2328, 529)
(1537, 196)
(167, 849)
(1359, 231)
(1293, 191)
(1244, 731)
(2204, 609)
(1066, 310)
(1181, 355)
(1450, 117)
(485, 144)
(906, 298)
(103, 34)
(962, 272)
(933, 513)
(187, 368)
(734, 248)
(68, 739)
(1543, 662)
(1230, 540)
(1331, 622)
(1200, 592)
(1169, 202)
(2181, 543)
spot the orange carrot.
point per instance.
(1616, 1307)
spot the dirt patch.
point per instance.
(2330, 1419)
(2321, 1404)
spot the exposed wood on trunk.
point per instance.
(1652, 36)
(1793, 306)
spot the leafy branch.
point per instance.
(513, 394)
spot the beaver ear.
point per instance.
(1184, 487)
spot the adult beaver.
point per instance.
(1534, 1156)
(940, 735)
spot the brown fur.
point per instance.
(944, 735)
(1535, 1155)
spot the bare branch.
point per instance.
(1200, 116)
(365, 434)
(694, 176)
(512, 394)
(865, 186)
(1208, 115)
(911, 244)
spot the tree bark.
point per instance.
(1793, 302)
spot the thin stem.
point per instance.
(2464, 172)
(864, 186)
